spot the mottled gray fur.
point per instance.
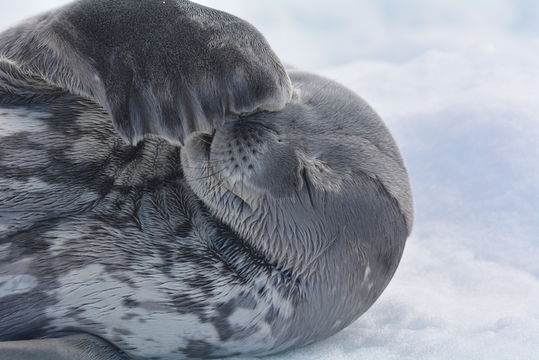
(278, 222)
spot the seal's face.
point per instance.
(272, 175)
(267, 157)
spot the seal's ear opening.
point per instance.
(164, 68)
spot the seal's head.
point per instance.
(319, 188)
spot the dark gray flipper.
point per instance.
(159, 67)
(76, 347)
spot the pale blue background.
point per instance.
(458, 84)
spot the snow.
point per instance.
(457, 82)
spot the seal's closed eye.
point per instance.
(164, 68)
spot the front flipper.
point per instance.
(76, 347)
(160, 67)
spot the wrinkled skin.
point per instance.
(279, 220)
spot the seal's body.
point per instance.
(267, 230)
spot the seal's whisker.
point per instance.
(219, 184)
(204, 165)
(208, 176)
(214, 161)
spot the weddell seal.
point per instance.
(169, 190)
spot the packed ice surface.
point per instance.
(457, 83)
